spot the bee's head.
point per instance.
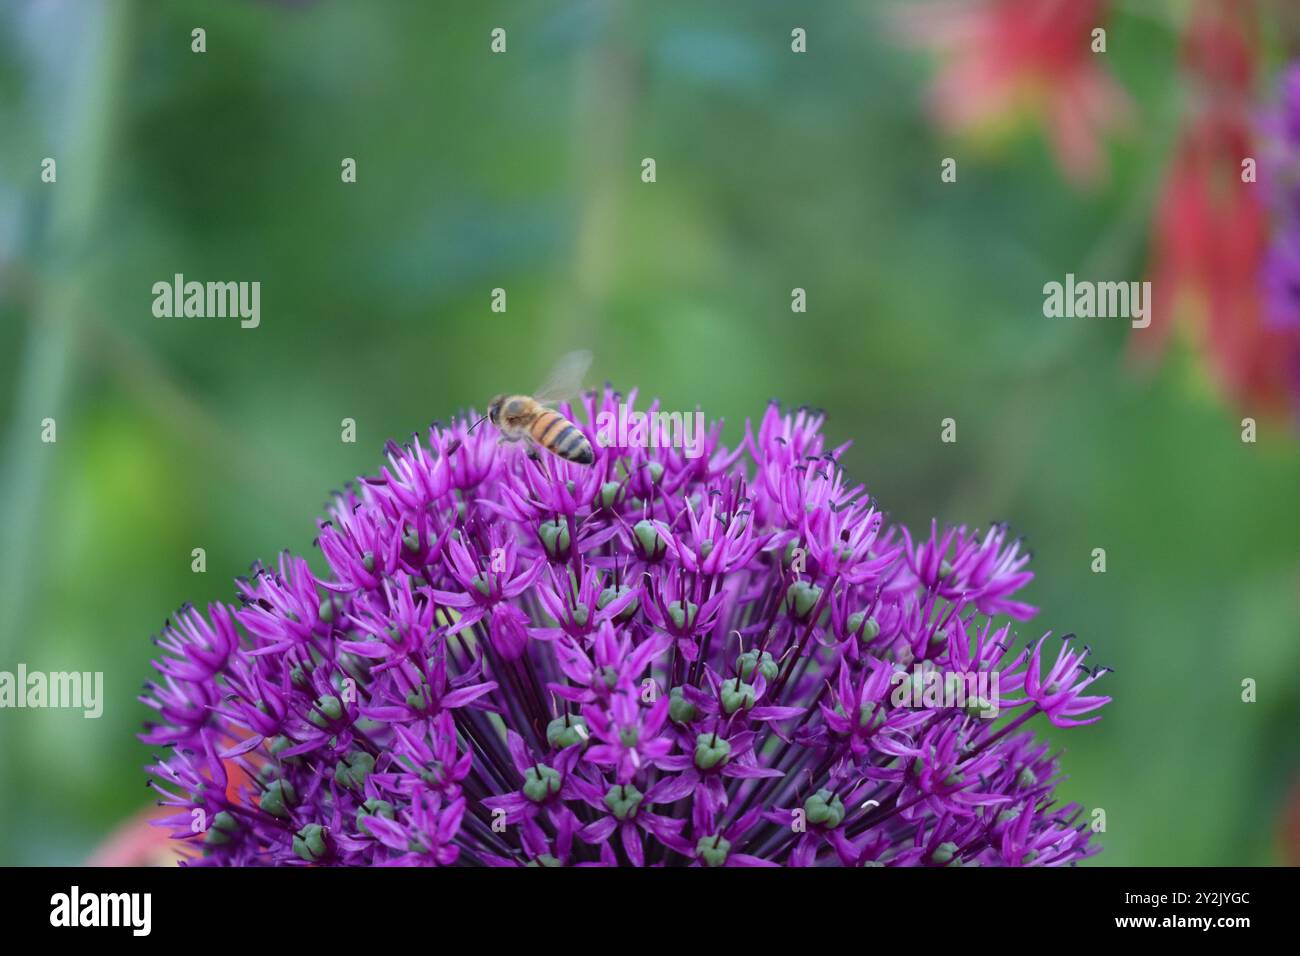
(494, 409)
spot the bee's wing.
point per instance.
(565, 380)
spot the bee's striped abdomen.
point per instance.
(561, 437)
(545, 427)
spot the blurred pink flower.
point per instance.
(1005, 60)
(139, 842)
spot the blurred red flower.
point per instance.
(1211, 226)
(1007, 60)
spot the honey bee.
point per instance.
(521, 417)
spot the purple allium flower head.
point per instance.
(729, 659)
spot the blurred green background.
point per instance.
(522, 171)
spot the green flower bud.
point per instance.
(801, 597)
(418, 699)
(309, 842)
(609, 493)
(652, 544)
(278, 797)
(374, 807)
(736, 695)
(326, 611)
(581, 614)
(555, 539)
(563, 731)
(944, 854)
(865, 627)
(1027, 778)
(683, 618)
(711, 751)
(368, 561)
(680, 710)
(219, 833)
(656, 472)
(353, 769)
(787, 557)
(609, 595)
(482, 584)
(328, 708)
(713, 850)
(824, 808)
(540, 782)
(544, 860)
(748, 661)
(623, 800)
